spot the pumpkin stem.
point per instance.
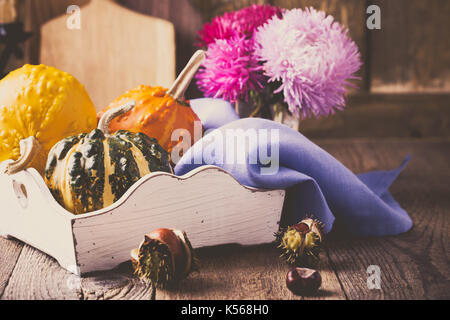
(28, 149)
(108, 116)
(183, 81)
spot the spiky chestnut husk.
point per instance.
(164, 257)
(301, 243)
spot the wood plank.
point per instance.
(118, 284)
(412, 32)
(243, 273)
(19, 15)
(181, 13)
(139, 50)
(413, 265)
(36, 13)
(411, 52)
(385, 115)
(30, 208)
(187, 16)
(211, 8)
(9, 253)
(187, 22)
(197, 203)
(8, 11)
(39, 277)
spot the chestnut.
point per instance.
(164, 257)
(303, 281)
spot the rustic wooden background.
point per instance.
(402, 108)
(405, 86)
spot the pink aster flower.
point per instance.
(237, 23)
(230, 70)
(313, 57)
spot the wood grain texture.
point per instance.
(118, 284)
(114, 51)
(36, 13)
(243, 273)
(39, 277)
(187, 22)
(385, 115)
(9, 253)
(413, 265)
(411, 52)
(199, 204)
(211, 8)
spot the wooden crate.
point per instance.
(208, 203)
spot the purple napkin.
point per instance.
(281, 158)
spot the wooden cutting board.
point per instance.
(114, 50)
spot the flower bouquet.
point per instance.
(271, 62)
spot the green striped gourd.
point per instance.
(91, 171)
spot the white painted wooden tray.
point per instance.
(208, 203)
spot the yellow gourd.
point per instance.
(39, 106)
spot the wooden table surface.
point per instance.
(414, 265)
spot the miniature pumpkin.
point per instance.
(40, 105)
(91, 171)
(160, 111)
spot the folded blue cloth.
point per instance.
(318, 185)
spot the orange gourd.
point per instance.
(156, 114)
(159, 112)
